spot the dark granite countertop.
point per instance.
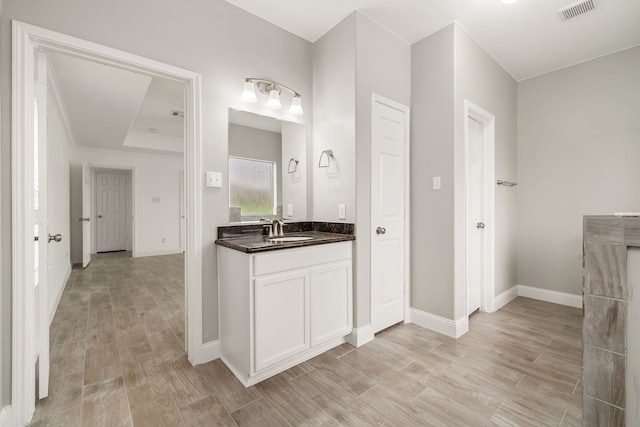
(249, 238)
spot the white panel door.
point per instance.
(281, 317)
(86, 215)
(475, 215)
(388, 138)
(331, 301)
(111, 211)
(41, 231)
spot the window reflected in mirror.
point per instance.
(252, 186)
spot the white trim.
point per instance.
(156, 253)
(211, 350)
(488, 283)
(5, 416)
(360, 336)
(52, 312)
(563, 298)
(407, 201)
(25, 40)
(448, 327)
(505, 298)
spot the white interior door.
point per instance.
(86, 215)
(388, 139)
(475, 215)
(41, 231)
(111, 211)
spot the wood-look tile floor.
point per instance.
(118, 359)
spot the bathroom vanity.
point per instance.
(282, 302)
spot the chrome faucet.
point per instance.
(278, 227)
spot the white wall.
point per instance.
(578, 151)
(58, 203)
(294, 185)
(154, 176)
(481, 80)
(214, 38)
(334, 117)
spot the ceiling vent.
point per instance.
(576, 9)
(176, 113)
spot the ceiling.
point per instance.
(113, 108)
(527, 37)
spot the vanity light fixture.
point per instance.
(273, 90)
(328, 155)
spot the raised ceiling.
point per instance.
(113, 108)
(527, 38)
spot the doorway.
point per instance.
(479, 190)
(389, 204)
(112, 192)
(27, 40)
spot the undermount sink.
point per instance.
(290, 239)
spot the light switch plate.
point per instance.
(214, 179)
(342, 211)
(436, 183)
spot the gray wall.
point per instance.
(432, 107)
(220, 41)
(334, 121)
(448, 68)
(252, 143)
(481, 80)
(578, 151)
(383, 66)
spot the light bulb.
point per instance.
(248, 92)
(296, 106)
(274, 100)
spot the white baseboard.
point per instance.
(156, 253)
(572, 300)
(52, 312)
(210, 351)
(4, 416)
(360, 336)
(451, 328)
(505, 298)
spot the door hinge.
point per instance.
(40, 88)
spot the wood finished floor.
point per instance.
(117, 359)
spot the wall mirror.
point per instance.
(267, 168)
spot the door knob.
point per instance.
(84, 219)
(99, 216)
(381, 230)
(480, 225)
(56, 238)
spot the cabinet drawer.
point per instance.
(291, 259)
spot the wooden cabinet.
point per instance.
(282, 307)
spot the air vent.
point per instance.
(576, 9)
(176, 113)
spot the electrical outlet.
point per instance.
(342, 211)
(214, 179)
(436, 183)
(289, 210)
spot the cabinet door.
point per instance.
(331, 301)
(281, 320)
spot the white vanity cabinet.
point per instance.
(279, 308)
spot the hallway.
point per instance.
(118, 359)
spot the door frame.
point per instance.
(26, 39)
(407, 202)
(487, 288)
(129, 172)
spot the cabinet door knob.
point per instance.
(480, 225)
(381, 230)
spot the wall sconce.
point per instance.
(293, 165)
(273, 90)
(328, 155)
